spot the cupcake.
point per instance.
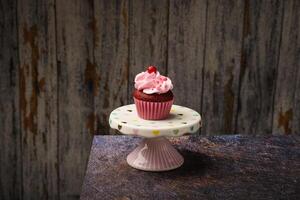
(152, 95)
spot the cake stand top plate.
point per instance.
(182, 120)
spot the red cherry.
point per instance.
(151, 69)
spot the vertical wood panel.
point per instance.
(286, 118)
(186, 50)
(38, 98)
(222, 65)
(262, 30)
(77, 86)
(223, 58)
(148, 37)
(110, 27)
(10, 138)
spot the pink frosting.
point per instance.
(152, 83)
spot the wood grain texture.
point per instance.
(186, 47)
(219, 167)
(222, 66)
(38, 99)
(148, 38)
(262, 32)
(77, 86)
(111, 31)
(286, 119)
(65, 65)
(10, 136)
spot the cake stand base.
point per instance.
(155, 154)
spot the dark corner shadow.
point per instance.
(194, 164)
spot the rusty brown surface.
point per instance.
(284, 120)
(125, 15)
(93, 26)
(92, 120)
(221, 167)
(91, 77)
(30, 35)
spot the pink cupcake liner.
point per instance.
(153, 110)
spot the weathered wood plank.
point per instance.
(38, 99)
(222, 66)
(110, 27)
(186, 44)
(77, 86)
(10, 136)
(262, 31)
(286, 119)
(148, 37)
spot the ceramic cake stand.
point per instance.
(155, 152)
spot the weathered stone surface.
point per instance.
(222, 167)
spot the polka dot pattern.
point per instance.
(182, 120)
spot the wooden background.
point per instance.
(66, 64)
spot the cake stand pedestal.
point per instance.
(155, 152)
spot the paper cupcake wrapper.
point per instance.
(153, 110)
